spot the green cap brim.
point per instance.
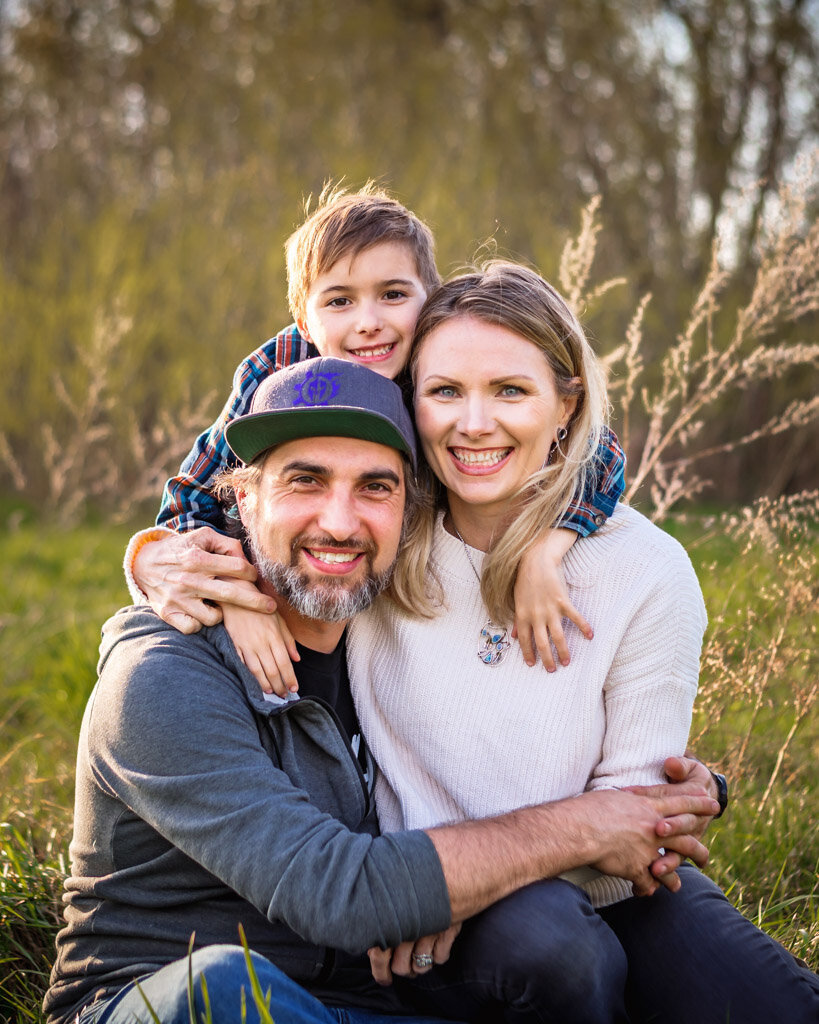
(249, 436)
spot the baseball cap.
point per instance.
(323, 397)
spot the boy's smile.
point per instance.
(364, 308)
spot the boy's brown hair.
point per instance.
(344, 224)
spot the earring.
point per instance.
(562, 434)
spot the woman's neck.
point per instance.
(476, 525)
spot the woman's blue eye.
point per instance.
(512, 390)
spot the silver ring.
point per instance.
(422, 959)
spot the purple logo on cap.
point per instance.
(316, 388)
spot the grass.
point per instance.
(57, 587)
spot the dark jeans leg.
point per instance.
(540, 955)
(693, 958)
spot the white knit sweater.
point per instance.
(456, 739)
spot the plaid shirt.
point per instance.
(187, 501)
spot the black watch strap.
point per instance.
(722, 792)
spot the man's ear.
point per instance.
(246, 503)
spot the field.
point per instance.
(754, 720)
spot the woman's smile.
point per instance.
(480, 460)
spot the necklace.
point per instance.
(493, 642)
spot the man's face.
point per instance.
(324, 523)
(364, 308)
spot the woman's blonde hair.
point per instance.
(514, 297)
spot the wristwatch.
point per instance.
(722, 792)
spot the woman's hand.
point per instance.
(542, 601)
(386, 962)
(181, 572)
(265, 645)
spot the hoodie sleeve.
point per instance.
(171, 735)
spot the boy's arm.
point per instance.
(187, 501)
(589, 510)
(541, 598)
(188, 504)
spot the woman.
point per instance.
(509, 403)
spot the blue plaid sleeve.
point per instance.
(588, 512)
(187, 501)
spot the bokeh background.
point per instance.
(656, 159)
(154, 155)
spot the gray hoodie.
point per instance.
(201, 805)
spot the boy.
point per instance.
(359, 269)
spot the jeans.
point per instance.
(541, 955)
(687, 957)
(693, 958)
(226, 974)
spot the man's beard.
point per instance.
(329, 599)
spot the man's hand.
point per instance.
(685, 775)
(660, 820)
(180, 573)
(619, 833)
(386, 962)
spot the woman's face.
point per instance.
(487, 411)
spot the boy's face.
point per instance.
(364, 308)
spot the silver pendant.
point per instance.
(494, 644)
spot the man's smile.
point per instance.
(333, 562)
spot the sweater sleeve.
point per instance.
(171, 737)
(652, 681)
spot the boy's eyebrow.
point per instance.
(389, 283)
(398, 280)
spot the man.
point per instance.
(202, 805)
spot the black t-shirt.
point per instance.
(325, 676)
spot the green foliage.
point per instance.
(30, 886)
(56, 589)
(159, 305)
(58, 586)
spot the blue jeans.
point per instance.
(225, 970)
(687, 957)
